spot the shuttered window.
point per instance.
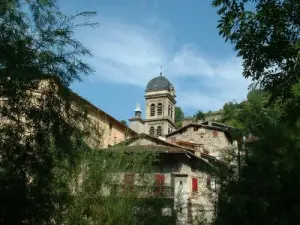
(194, 184)
(159, 109)
(159, 183)
(208, 182)
(151, 131)
(152, 110)
(159, 131)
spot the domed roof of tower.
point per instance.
(159, 83)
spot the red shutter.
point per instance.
(194, 184)
(159, 180)
(159, 183)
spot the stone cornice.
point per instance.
(136, 119)
(160, 119)
(161, 95)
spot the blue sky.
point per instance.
(136, 37)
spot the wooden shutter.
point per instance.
(194, 184)
(159, 183)
(159, 180)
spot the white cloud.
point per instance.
(130, 54)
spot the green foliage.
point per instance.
(179, 116)
(266, 36)
(242, 115)
(102, 198)
(262, 186)
(124, 122)
(199, 116)
(39, 134)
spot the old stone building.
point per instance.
(202, 144)
(186, 179)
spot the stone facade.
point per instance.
(107, 131)
(207, 139)
(165, 119)
(185, 173)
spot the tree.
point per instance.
(266, 36)
(102, 197)
(261, 185)
(40, 137)
(199, 116)
(124, 122)
(239, 115)
(179, 116)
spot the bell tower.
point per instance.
(160, 106)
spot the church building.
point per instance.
(160, 109)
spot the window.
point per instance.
(215, 133)
(152, 110)
(213, 183)
(171, 109)
(159, 131)
(151, 131)
(193, 166)
(159, 183)
(159, 109)
(208, 182)
(128, 181)
(194, 184)
(169, 130)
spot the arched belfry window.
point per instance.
(159, 109)
(152, 110)
(159, 131)
(151, 131)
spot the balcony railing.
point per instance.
(145, 191)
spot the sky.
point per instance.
(136, 37)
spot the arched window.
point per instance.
(171, 109)
(151, 131)
(159, 131)
(159, 109)
(152, 110)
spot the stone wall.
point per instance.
(213, 141)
